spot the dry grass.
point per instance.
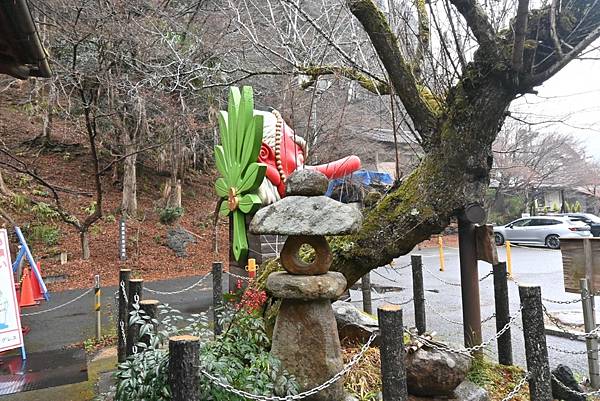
(364, 380)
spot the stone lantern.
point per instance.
(305, 337)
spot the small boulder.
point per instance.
(352, 323)
(469, 391)
(565, 375)
(306, 182)
(431, 372)
(178, 239)
(283, 285)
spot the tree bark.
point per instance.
(84, 237)
(129, 203)
(48, 117)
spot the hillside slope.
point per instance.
(66, 165)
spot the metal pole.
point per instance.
(536, 352)
(589, 320)
(122, 239)
(365, 283)
(393, 372)
(418, 293)
(441, 250)
(184, 354)
(509, 259)
(469, 279)
(97, 307)
(502, 313)
(123, 291)
(217, 273)
(133, 330)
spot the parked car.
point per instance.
(590, 219)
(542, 230)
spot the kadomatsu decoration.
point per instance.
(236, 158)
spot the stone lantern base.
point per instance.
(305, 337)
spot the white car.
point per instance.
(541, 230)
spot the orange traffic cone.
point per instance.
(37, 288)
(27, 298)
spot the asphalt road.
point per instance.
(537, 266)
(75, 322)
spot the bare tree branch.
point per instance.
(520, 29)
(478, 21)
(400, 72)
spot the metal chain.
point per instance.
(570, 390)
(564, 351)
(59, 306)
(517, 388)
(123, 334)
(487, 275)
(564, 329)
(124, 292)
(197, 283)
(467, 351)
(237, 276)
(401, 303)
(229, 388)
(434, 310)
(441, 279)
(487, 319)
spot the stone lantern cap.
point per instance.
(299, 214)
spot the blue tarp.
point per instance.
(364, 177)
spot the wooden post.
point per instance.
(393, 372)
(123, 319)
(150, 308)
(502, 313)
(536, 353)
(98, 306)
(469, 280)
(589, 320)
(509, 259)
(184, 352)
(365, 283)
(217, 273)
(418, 293)
(441, 252)
(133, 330)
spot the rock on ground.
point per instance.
(352, 323)
(469, 391)
(431, 372)
(178, 239)
(565, 375)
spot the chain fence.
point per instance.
(60, 306)
(571, 391)
(305, 394)
(441, 279)
(188, 288)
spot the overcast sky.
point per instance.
(571, 96)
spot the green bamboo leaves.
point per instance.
(236, 158)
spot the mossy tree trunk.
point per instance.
(457, 130)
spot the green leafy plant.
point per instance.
(241, 137)
(110, 218)
(91, 209)
(20, 202)
(169, 215)
(239, 356)
(46, 234)
(44, 211)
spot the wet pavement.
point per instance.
(537, 266)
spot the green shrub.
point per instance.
(110, 218)
(46, 234)
(240, 356)
(20, 202)
(169, 215)
(44, 211)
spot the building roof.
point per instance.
(21, 52)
